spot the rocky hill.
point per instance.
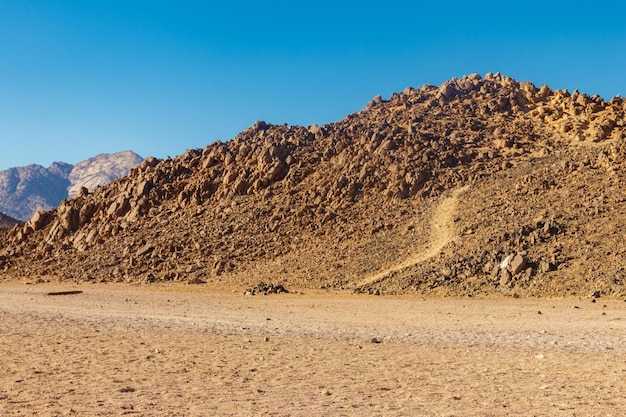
(25, 189)
(478, 186)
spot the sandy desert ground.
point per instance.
(190, 351)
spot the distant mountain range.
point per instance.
(6, 221)
(24, 189)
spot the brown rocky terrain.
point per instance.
(478, 186)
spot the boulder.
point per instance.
(505, 277)
(517, 264)
(40, 219)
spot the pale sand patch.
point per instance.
(115, 350)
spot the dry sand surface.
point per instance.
(146, 351)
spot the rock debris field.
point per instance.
(371, 203)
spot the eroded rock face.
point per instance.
(324, 206)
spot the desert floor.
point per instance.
(190, 351)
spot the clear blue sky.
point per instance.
(79, 78)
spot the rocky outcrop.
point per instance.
(324, 206)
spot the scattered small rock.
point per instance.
(595, 294)
(196, 281)
(265, 289)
